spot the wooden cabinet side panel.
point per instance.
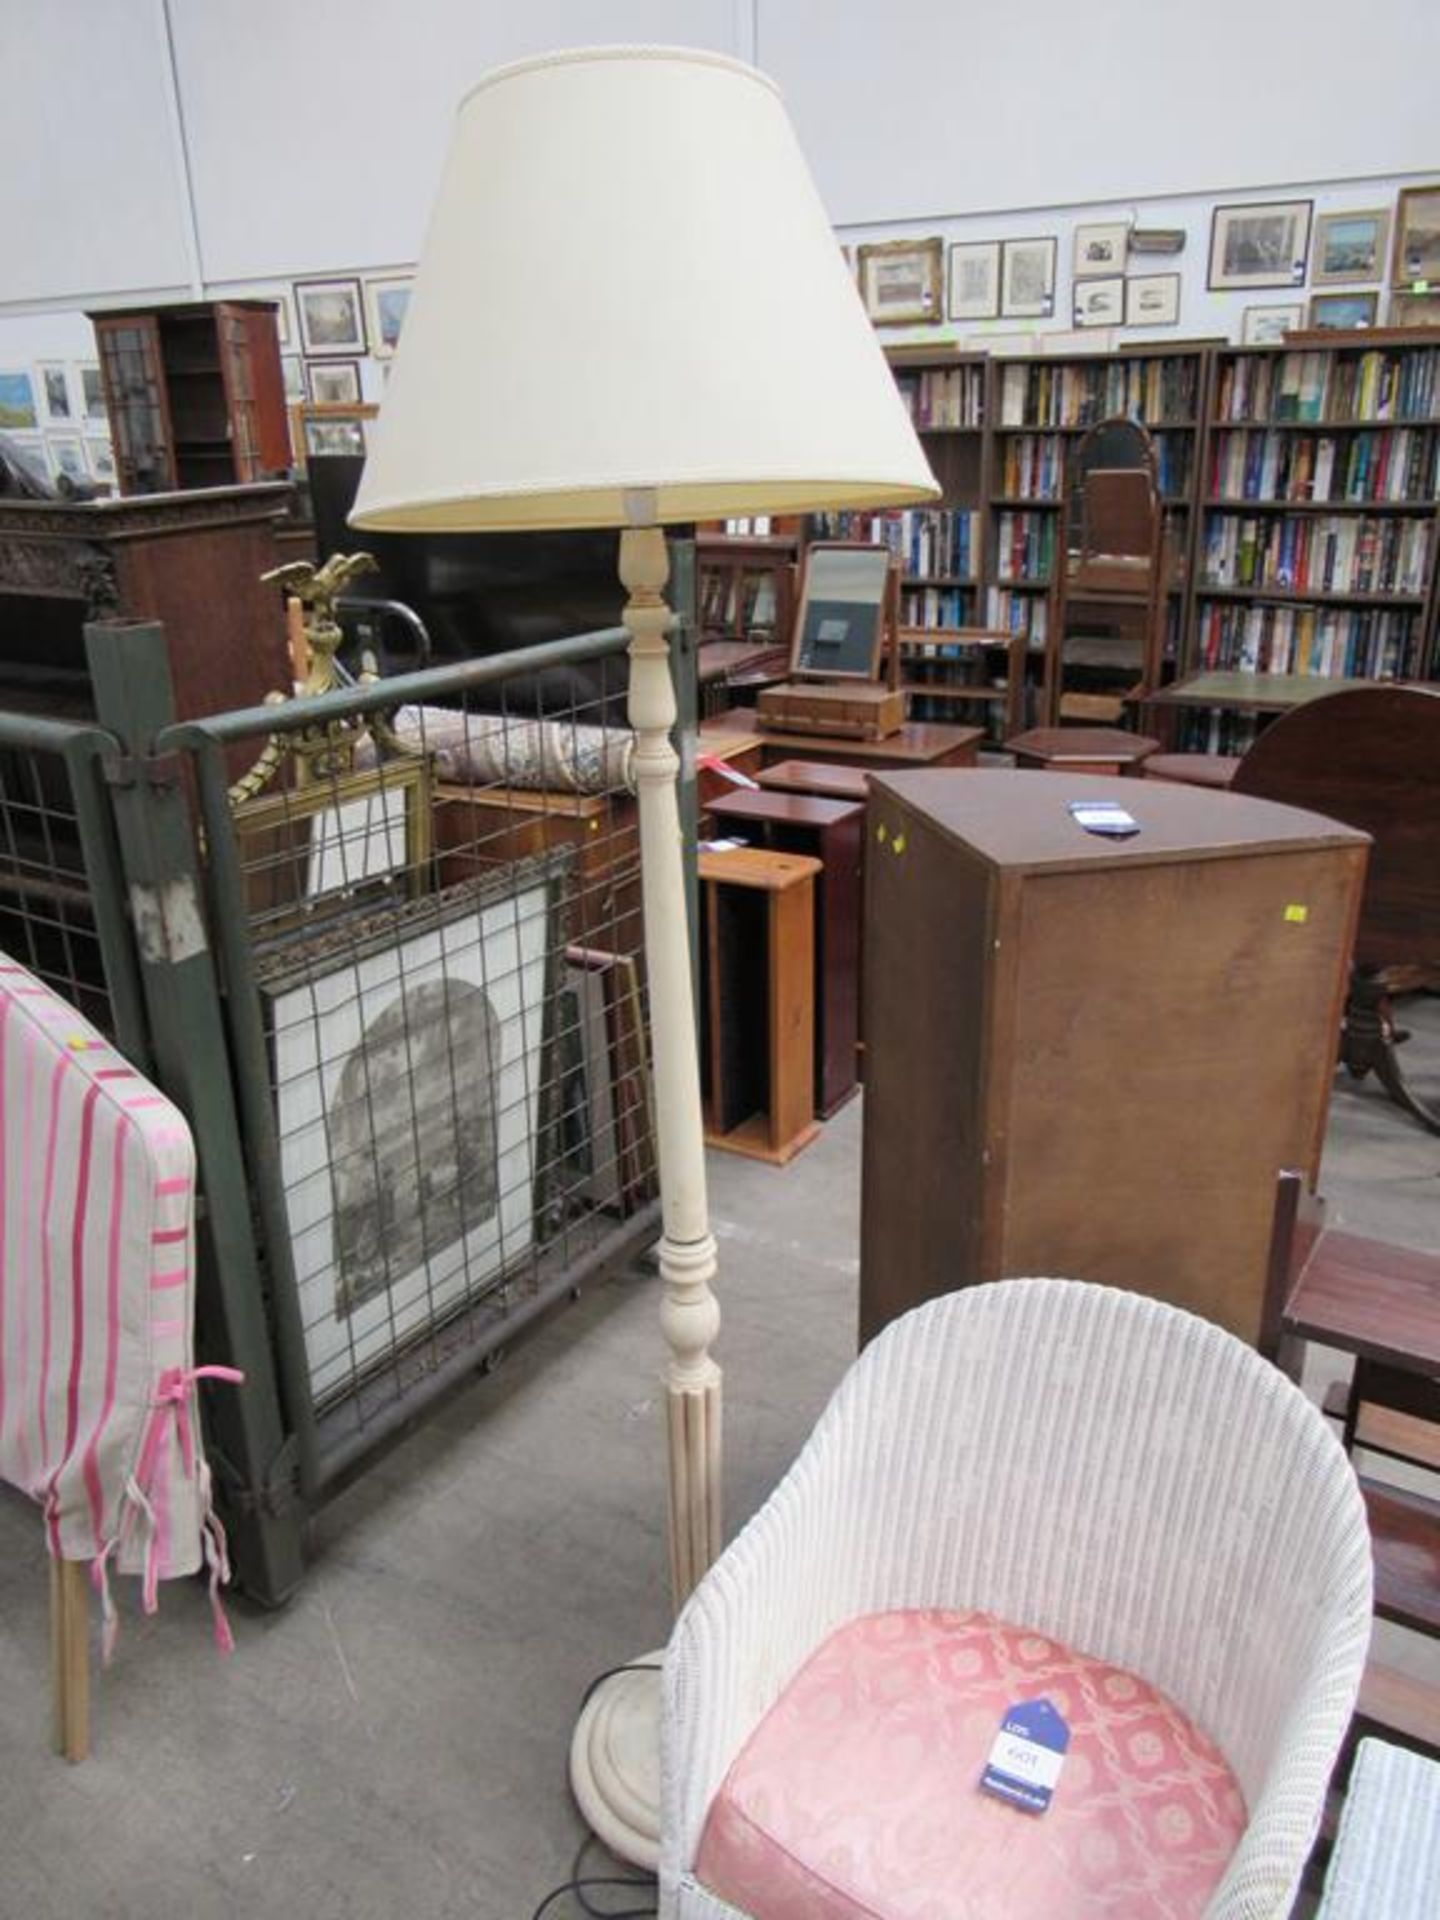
(926, 994)
(1174, 1049)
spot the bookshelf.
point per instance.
(1315, 558)
(1040, 406)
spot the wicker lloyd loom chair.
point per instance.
(1129, 1513)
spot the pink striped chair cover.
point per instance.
(97, 1376)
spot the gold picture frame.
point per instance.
(1416, 260)
(1350, 247)
(320, 848)
(902, 282)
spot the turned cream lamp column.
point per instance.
(631, 311)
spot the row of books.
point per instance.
(1011, 612)
(1032, 466)
(931, 540)
(937, 607)
(1025, 546)
(1395, 464)
(1077, 395)
(1372, 384)
(944, 396)
(1332, 642)
(1316, 553)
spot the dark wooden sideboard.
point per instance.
(190, 560)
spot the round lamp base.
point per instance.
(615, 1763)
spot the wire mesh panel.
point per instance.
(61, 912)
(431, 916)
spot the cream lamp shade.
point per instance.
(629, 285)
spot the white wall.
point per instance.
(91, 188)
(913, 108)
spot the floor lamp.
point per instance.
(631, 311)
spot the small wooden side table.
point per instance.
(919, 743)
(1081, 749)
(823, 778)
(833, 832)
(1192, 769)
(757, 965)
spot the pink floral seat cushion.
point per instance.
(857, 1796)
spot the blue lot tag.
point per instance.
(1027, 1756)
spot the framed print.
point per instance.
(92, 391)
(331, 318)
(387, 301)
(900, 280)
(1263, 244)
(101, 456)
(1267, 326)
(52, 383)
(406, 1063)
(334, 383)
(1413, 310)
(1100, 250)
(283, 329)
(1100, 303)
(605, 1154)
(1152, 300)
(66, 454)
(17, 400)
(1027, 281)
(974, 280)
(1417, 237)
(316, 429)
(1350, 246)
(1344, 309)
(292, 373)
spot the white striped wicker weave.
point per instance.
(1100, 1467)
(1386, 1863)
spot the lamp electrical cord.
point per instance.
(580, 1885)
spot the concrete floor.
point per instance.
(394, 1742)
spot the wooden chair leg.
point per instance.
(69, 1659)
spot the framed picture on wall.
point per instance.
(1267, 326)
(974, 292)
(1344, 309)
(1152, 300)
(292, 373)
(1100, 250)
(1262, 244)
(17, 400)
(901, 281)
(321, 430)
(1027, 282)
(387, 301)
(1417, 237)
(334, 383)
(1100, 303)
(1413, 310)
(66, 454)
(53, 385)
(92, 391)
(1350, 246)
(331, 317)
(101, 456)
